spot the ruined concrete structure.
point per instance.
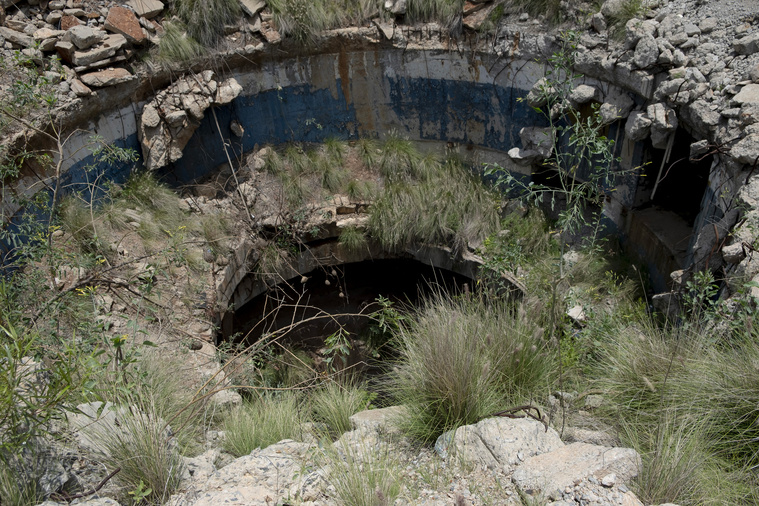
(679, 96)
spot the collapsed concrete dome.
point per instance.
(678, 97)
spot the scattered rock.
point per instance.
(109, 77)
(123, 21)
(148, 8)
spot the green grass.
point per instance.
(205, 19)
(333, 404)
(262, 422)
(352, 239)
(143, 449)
(177, 46)
(463, 359)
(363, 475)
(449, 206)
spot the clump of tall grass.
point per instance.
(144, 450)
(463, 359)
(448, 206)
(352, 239)
(77, 219)
(363, 476)
(334, 404)
(177, 46)
(205, 19)
(262, 422)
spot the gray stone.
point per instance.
(524, 157)
(638, 126)
(496, 442)
(252, 7)
(92, 55)
(646, 52)
(746, 150)
(273, 472)
(537, 139)
(396, 7)
(707, 25)
(236, 128)
(598, 22)
(584, 93)
(176, 118)
(79, 88)
(663, 123)
(733, 253)
(226, 399)
(377, 419)
(146, 8)
(17, 38)
(698, 148)
(747, 45)
(84, 37)
(228, 91)
(108, 77)
(550, 472)
(749, 94)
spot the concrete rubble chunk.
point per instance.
(252, 7)
(638, 126)
(122, 20)
(108, 77)
(548, 474)
(583, 94)
(646, 52)
(17, 38)
(747, 45)
(498, 442)
(84, 37)
(146, 8)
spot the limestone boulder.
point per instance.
(549, 474)
(15, 37)
(747, 45)
(252, 7)
(646, 52)
(261, 478)
(663, 123)
(84, 37)
(498, 442)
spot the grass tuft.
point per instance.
(176, 46)
(352, 239)
(262, 422)
(464, 358)
(205, 19)
(334, 404)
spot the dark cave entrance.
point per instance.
(340, 296)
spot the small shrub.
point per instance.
(334, 404)
(262, 422)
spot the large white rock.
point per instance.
(498, 442)
(548, 474)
